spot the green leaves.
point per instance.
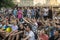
(6, 3)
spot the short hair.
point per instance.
(29, 26)
(58, 31)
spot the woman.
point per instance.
(20, 14)
(43, 36)
(20, 33)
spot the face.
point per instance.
(56, 33)
(21, 26)
(7, 23)
(3, 23)
(18, 8)
(27, 28)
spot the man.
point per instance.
(33, 13)
(56, 36)
(45, 14)
(25, 12)
(29, 13)
(13, 32)
(50, 15)
(15, 12)
(29, 35)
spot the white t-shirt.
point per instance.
(14, 27)
(31, 35)
(45, 11)
(0, 25)
(28, 12)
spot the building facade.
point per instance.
(26, 3)
(36, 2)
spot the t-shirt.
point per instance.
(14, 27)
(25, 11)
(53, 38)
(45, 12)
(20, 29)
(20, 14)
(33, 12)
(44, 37)
(4, 27)
(21, 34)
(28, 12)
(15, 12)
(31, 35)
(0, 25)
(34, 27)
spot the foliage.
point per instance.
(6, 3)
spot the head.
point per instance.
(15, 8)
(34, 20)
(42, 32)
(14, 23)
(18, 8)
(28, 28)
(21, 26)
(3, 23)
(6, 22)
(56, 33)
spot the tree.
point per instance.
(6, 3)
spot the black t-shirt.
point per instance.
(53, 38)
(25, 11)
(21, 34)
(20, 29)
(50, 13)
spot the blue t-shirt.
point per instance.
(33, 12)
(5, 27)
(15, 12)
(14, 27)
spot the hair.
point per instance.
(29, 26)
(57, 30)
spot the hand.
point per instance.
(12, 34)
(23, 39)
(21, 31)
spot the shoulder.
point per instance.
(31, 33)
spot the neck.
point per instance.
(56, 35)
(29, 31)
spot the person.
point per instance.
(15, 12)
(36, 13)
(21, 31)
(29, 13)
(0, 24)
(33, 13)
(6, 25)
(20, 14)
(33, 25)
(25, 12)
(29, 33)
(13, 19)
(50, 15)
(13, 32)
(45, 14)
(14, 27)
(42, 35)
(3, 32)
(55, 36)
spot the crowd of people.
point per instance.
(29, 23)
